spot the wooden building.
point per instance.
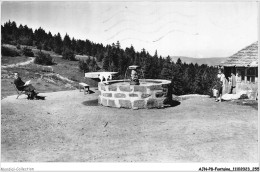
(245, 65)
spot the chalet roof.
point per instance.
(247, 57)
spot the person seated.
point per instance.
(21, 86)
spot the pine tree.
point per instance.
(80, 46)
(87, 48)
(166, 72)
(57, 44)
(118, 45)
(66, 42)
(177, 83)
(73, 45)
(40, 37)
(105, 64)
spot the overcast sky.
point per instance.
(194, 29)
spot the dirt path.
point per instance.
(70, 127)
(31, 59)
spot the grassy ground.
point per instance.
(245, 102)
(6, 60)
(71, 127)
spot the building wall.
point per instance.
(246, 80)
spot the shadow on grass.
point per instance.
(91, 92)
(94, 102)
(172, 103)
(91, 102)
(251, 103)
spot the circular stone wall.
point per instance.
(151, 93)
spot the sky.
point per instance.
(193, 29)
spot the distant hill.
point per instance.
(210, 61)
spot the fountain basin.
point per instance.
(151, 93)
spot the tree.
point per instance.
(57, 44)
(83, 66)
(177, 83)
(87, 47)
(105, 63)
(66, 42)
(68, 55)
(166, 72)
(40, 37)
(118, 45)
(27, 52)
(73, 45)
(43, 59)
(80, 46)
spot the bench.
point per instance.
(84, 87)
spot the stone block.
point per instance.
(102, 87)
(98, 92)
(125, 88)
(101, 84)
(139, 104)
(112, 88)
(111, 103)
(125, 104)
(107, 94)
(155, 87)
(104, 102)
(133, 95)
(139, 88)
(151, 103)
(160, 102)
(99, 100)
(119, 95)
(143, 96)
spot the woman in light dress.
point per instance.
(222, 85)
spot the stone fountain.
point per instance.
(134, 93)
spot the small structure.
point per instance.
(245, 65)
(85, 87)
(135, 93)
(102, 76)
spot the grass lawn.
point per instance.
(71, 127)
(6, 60)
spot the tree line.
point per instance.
(186, 78)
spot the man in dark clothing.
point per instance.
(20, 85)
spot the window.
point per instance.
(251, 74)
(240, 74)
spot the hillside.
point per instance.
(211, 61)
(65, 75)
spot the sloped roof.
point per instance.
(247, 57)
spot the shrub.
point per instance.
(6, 51)
(43, 59)
(68, 55)
(39, 46)
(18, 46)
(27, 52)
(83, 66)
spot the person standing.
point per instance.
(220, 84)
(233, 82)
